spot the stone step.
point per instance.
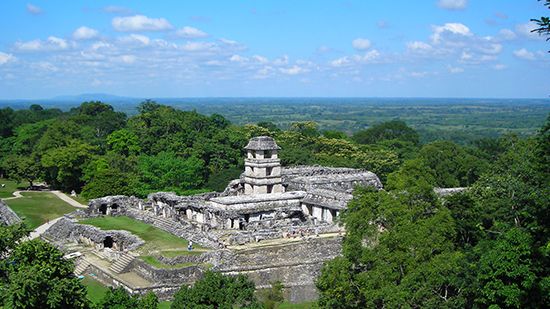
(119, 265)
(81, 267)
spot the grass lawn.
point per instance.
(80, 199)
(11, 186)
(156, 240)
(96, 289)
(39, 207)
(165, 304)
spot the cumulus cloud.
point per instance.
(85, 33)
(455, 70)
(52, 43)
(361, 44)
(197, 46)
(191, 33)
(449, 28)
(238, 58)
(293, 70)
(418, 46)
(5, 58)
(524, 54)
(33, 9)
(140, 23)
(135, 38)
(452, 4)
(507, 34)
(499, 66)
(260, 59)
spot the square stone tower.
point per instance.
(262, 173)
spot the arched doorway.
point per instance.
(108, 242)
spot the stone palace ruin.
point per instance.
(274, 223)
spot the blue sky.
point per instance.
(368, 48)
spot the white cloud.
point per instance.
(340, 62)
(33, 9)
(85, 33)
(507, 34)
(197, 46)
(237, 58)
(281, 61)
(524, 54)
(293, 70)
(5, 58)
(136, 38)
(191, 33)
(370, 56)
(361, 44)
(455, 70)
(60, 43)
(492, 48)
(452, 28)
(140, 23)
(52, 43)
(260, 59)
(452, 4)
(499, 66)
(98, 45)
(129, 59)
(418, 46)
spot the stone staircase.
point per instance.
(81, 267)
(119, 265)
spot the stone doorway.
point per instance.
(108, 242)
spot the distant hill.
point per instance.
(93, 97)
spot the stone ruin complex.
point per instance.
(274, 224)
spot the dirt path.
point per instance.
(41, 229)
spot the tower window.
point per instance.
(268, 171)
(267, 154)
(269, 188)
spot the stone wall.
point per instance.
(66, 230)
(296, 265)
(7, 216)
(175, 276)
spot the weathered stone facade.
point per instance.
(7, 216)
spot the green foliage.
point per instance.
(118, 299)
(389, 130)
(38, 277)
(124, 142)
(543, 23)
(396, 252)
(505, 271)
(215, 290)
(272, 296)
(166, 170)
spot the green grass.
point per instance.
(156, 240)
(80, 199)
(96, 290)
(165, 305)
(39, 207)
(11, 186)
